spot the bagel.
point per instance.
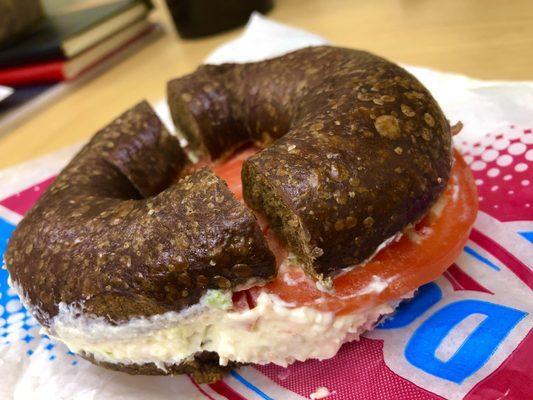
(351, 139)
(144, 262)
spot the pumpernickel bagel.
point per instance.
(355, 139)
(143, 262)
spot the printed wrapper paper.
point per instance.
(466, 335)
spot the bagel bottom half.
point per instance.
(203, 368)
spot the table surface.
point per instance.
(490, 39)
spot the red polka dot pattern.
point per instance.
(502, 164)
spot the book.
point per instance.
(59, 70)
(67, 35)
(28, 100)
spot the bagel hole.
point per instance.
(230, 170)
(264, 199)
(281, 227)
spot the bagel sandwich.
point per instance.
(327, 192)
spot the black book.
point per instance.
(64, 36)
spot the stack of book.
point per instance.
(63, 47)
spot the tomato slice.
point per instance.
(230, 170)
(418, 257)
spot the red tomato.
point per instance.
(421, 254)
(230, 170)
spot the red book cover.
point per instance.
(51, 71)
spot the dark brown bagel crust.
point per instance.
(363, 147)
(203, 367)
(103, 237)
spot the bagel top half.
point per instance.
(354, 149)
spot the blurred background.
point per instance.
(75, 65)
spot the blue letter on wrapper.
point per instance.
(477, 348)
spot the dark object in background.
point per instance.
(18, 17)
(196, 18)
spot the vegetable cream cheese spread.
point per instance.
(270, 332)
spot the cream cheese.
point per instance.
(270, 332)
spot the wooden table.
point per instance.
(490, 39)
